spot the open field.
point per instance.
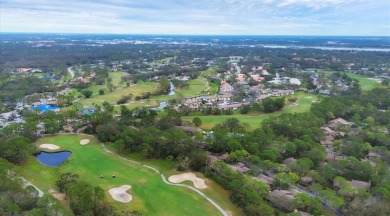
(161, 61)
(150, 195)
(114, 96)
(365, 82)
(196, 87)
(252, 120)
(116, 81)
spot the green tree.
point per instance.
(87, 93)
(16, 150)
(307, 204)
(65, 179)
(197, 121)
(331, 199)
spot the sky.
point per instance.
(198, 17)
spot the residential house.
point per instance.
(240, 167)
(268, 180)
(241, 77)
(289, 160)
(283, 199)
(257, 78)
(225, 86)
(335, 123)
(306, 181)
(355, 184)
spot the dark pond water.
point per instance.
(161, 107)
(52, 159)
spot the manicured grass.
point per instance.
(366, 83)
(214, 191)
(116, 77)
(197, 86)
(150, 195)
(114, 96)
(116, 81)
(161, 61)
(253, 119)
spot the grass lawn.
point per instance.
(161, 61)
(366, 83)
(252, 120)
(150, 195)
(197, 86)
(116, 81)
(117, 77)
(114, 96)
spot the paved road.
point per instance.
(71, 72)
(237, 68)
(28, 183)
(220, 209)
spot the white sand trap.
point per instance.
(49, 146)
(119, 193)
(84, 141)
(198, 182)
(57, 195)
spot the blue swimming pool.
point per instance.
(53, 159)
(45, 108)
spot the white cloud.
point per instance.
(197, 17)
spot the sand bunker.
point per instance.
(198, 182)
(84, 141)
(57, 195)
(119, 193)
(49, 146)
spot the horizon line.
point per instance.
(166, 34)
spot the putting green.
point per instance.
(151, 195)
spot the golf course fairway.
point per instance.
(151, 196)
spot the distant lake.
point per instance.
(328, 48)
(53, 159)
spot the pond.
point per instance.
(53, 159)
(45, 108)
(161, 107)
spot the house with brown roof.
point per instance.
(268, 180)
(283, 199)
(289, 160)
(355, 184)
(335, 123)
(240, 167)
(188, 129)
(241, 77)
(306, 180)
(257, 78)
(225, 86)
(358, 185)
